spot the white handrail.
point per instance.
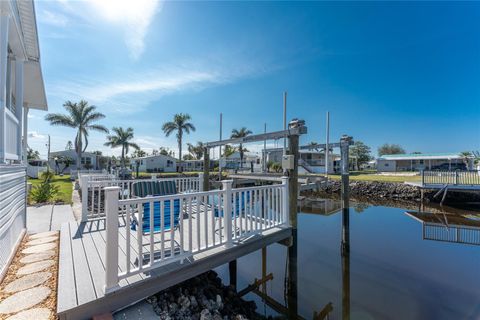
(92, 187)
(185, 224)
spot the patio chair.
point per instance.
(156, 188)
(170, 207)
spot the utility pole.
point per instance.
(206, 169)
(220, 151)
(48, 150)
(327, 148)
(285, 121)
(265, 150)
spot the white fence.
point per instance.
(93, 195)
(451, 177)
(185, 224)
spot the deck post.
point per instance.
(293, 145)
(423, 178)
(344, 146)
(200, 181)
(206, 169)
(84, 187)
(227, 209)
(111, 228)
(286, 203)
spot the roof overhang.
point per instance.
(34, 88)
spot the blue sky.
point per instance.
(406, 73)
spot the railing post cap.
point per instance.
(112, 188)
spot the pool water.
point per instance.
(390, 271)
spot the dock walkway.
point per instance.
(83, 264)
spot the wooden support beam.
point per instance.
(259, 137)
(255, 285)
(206, 169)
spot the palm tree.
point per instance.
(196, 150)
(466, 155)
(243, 132)
(179, 124)
(80, 116)
(122, 138)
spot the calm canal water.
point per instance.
(392, 271)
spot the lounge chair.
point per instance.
(156, 188)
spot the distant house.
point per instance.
(157, 163)
(88, 161)
(311, 161)
(423, 161)
(233, 161)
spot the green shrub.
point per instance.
(45, 191)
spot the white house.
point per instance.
(88, 161)
(233, 161)
(21, 89)
(311, 161)
(423, 161)
(157, 163)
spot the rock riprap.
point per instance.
(203, 297)
(24, 299)
(27, 282)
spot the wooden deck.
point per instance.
(82, 267)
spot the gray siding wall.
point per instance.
(12, 210)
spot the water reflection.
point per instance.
(448, 227)
(374, 265)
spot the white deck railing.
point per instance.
(200, 226)
(451, 177)
(93, 195)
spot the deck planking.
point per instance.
(82, 264)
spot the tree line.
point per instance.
(84, 118)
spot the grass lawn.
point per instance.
(366, 176)
(65, 188)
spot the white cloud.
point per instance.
(36, 135)
(134, 92)
(53, 18)
(134, 16)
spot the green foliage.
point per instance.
(180, 125)
(188, 157)
(243, 132)
(274, 167)
(390, 149)
(82, 117)
(361, 152)
(32, 154)
(66, 161)
(139, 153)
(45, 191)
(122, 138)
(228, 150)
(196, 151)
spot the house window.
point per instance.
(10, 82)
(386, 164)
(86, 160)
(422, 161)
